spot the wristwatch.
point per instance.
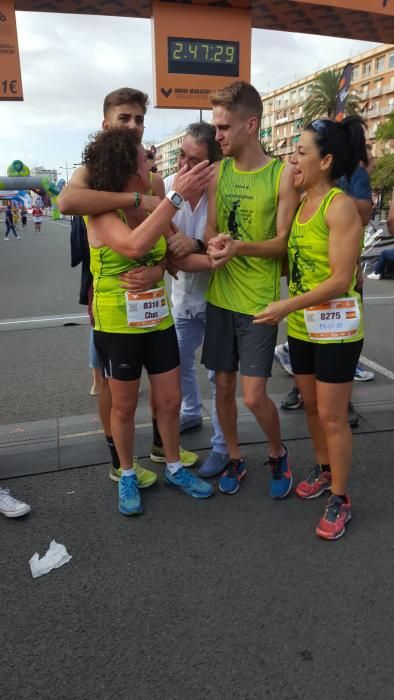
(176, 199)
(200, 247)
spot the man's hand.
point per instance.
(273, 313)
(221, 249)
(180, 245)
(149, 202)
(140, 279)
(172, 268)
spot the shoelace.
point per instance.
(333, 509)
(7, 499)
(314, 474)
(275, 464)
(127, 487)
(231, 469)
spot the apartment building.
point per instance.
(372, 79)
(167, 154)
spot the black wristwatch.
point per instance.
(200, 247)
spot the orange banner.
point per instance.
(385, 7)
(10, 72)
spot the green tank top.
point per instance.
(309, 266)
(109, 301)
(246, 207)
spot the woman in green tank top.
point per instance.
(324, 311)
(135, 330)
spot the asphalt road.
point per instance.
(230, 598)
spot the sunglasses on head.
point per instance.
(320, 126)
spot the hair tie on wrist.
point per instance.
(137, 199)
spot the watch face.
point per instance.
(177, 199)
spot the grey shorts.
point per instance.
(232, 340)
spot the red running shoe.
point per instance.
(316, 483)
(333, 523)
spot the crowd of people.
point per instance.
(224, 226)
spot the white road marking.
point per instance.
(378, 368)
(41, 319)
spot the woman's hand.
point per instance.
(140, 279)
(273, 313)
(221, 249)
(189, 183)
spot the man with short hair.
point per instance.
(9, 223)
(253, 201)
(125, 107)
(189, 288)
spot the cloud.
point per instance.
(70, 62)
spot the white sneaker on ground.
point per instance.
(374, 276)
(363, 375)
(282, 356)
(10, 507)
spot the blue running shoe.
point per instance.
(281, 479)
(129, 496)
(230, 480)
(188, 482)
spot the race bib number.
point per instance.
(146, 309)
(338, 318)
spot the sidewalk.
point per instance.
(234, 597)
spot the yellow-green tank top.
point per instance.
(246, 208)
(309, 266)
(109, 301)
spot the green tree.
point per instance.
(382, 177)
(385, 131)
(322, 98)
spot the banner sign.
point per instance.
(10, 72)
(343, 91)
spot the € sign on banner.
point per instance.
(10, 72)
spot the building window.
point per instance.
(391, 61)
(355, 72)
(379, 64)
(293, 95)
(364, 88)
(301, 93)
(367, 68)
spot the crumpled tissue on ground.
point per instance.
(55, 557)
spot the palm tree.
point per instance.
(385, 131)
(322, 98)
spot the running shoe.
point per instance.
(230, 480)
(282, 356)
(187, 459)
(189, 423)
(363, 375)
(10, 507)
(145, 477)
(214, 464)
(316, 483)
(292, 400)
(186, 481)
(374, 276)
(129, 496)
(281, 476)
(336, 516)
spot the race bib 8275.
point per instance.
(338, 318)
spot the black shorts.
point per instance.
(232, 339)
(123, 355)
(334, 363)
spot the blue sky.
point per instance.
(70, 62)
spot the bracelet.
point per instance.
(137, 199)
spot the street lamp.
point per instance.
(68, 167)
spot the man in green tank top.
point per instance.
(252, 202)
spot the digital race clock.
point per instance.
(203, 56)
(198, 49)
